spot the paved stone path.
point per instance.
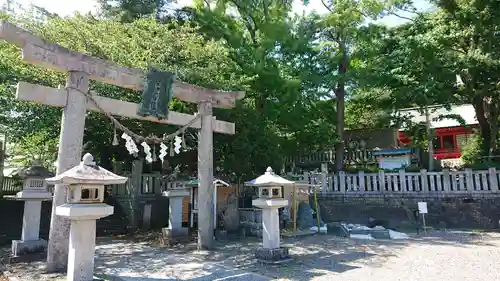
(439, 257)
(454, 258)
(143, 262)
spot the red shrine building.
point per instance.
(450, 137)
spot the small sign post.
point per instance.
(422, 209)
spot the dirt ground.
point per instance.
(440, 256)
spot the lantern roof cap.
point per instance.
(269, 178)
(36, 170)
(87, 172)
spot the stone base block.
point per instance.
(337, 229)
(174, 236)
(221, 235)
(176, 232)
(381, 234)
(20, 247)
(27, 251)
(273, 256)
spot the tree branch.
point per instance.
(410, 11)
(207, 3)
(401, 17)
(251, 29)
(327, 6)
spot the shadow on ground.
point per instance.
(313, 256)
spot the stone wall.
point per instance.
(381, 138)
(11, 219)
(477, 213)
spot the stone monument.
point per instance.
(85, 196)
(33, 193)
(270, 200)
(175, 231)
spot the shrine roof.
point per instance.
(466, 111)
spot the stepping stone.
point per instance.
(381, 234)
(361, 231)
(337, 229)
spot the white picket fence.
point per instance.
(422, 183)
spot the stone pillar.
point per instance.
(146, 217)
(68, 156)
(175, 198)
(271, 251)
(30, 242)
(271, 228)
(134, 192)
(31, 220)
(81, 250)
(205, 176)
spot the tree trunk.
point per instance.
(484, 126)
(340, 98)
(491, 114)
(340, 148)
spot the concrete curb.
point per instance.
(11, 277)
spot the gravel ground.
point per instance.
(452, 256)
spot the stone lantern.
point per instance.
(270, 200)
(33, 193)
(175, 194)
(85, 184)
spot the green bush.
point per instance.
(471, 153)
(482, 165)
(375, 169)
(366, 169)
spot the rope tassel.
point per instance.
(132, 138)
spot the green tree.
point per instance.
(39, 146)
(339, 35)
(131, 10)
(273, 51)
(420, 62)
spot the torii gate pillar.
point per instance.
(206, 178)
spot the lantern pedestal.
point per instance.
(175, 229)
(271, 252)
(30, 242)
(82, 237)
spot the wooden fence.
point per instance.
(351, 156)
(11, 186)
(422, 183)
(149, 184)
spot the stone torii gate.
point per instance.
(80, 68)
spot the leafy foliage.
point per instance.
(280, 115)
(305, 77)
(131, 10)
(39, 146)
